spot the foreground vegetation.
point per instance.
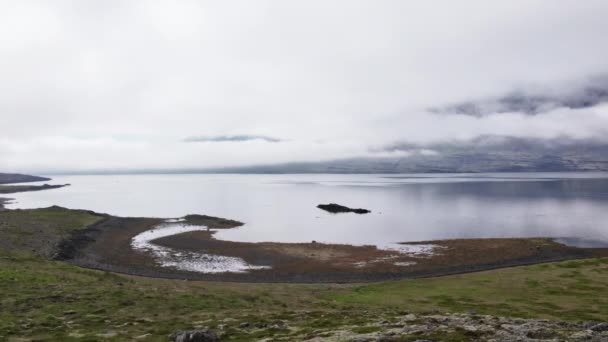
(53, 300)
(43, 299)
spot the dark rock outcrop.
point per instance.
(601, 327)
(211, 222)
(194, 336)
(336, 209)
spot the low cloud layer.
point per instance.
(491, 144)
(576, 94)
(232, 138)
(119, 85)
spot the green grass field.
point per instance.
(43, 299)
(47, 299)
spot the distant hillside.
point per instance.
(482, 154)
(485, 154)
(6, 178)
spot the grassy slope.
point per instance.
(572, 290)
(39, 231)
(53, 300)
(47, 299)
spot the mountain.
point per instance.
(483, 154)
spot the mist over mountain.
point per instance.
(585, 93)
(482, 154)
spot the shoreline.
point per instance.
(12, 189)
(4, 201)
(106, 245)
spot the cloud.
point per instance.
(120, 84)
(501, 143)
(232, 138)
(572, 95)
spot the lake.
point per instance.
(406, 207)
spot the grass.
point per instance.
(39, 231)
(46, 299)
(60, 219)
(571, 290)
(52, 300)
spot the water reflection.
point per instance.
(404, 207)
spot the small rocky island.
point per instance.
(337, 209)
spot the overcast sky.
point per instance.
(169, 84)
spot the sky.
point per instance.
(126, 85)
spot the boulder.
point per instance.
(601, 327)
(194, 336)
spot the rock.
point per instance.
(361, 339)
(426, 327)
(470, 328)
(582, 335)
(589, 324)
(194, 336)
(438, 319)
(261, 325)
(541, 334)
(386, 338)
(278, 324)
(410, 318)
(417, 329)
(600, 327)
(109, 334)
(336, 209)
(144, 320)
(244, 325)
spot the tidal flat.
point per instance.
(163, 248)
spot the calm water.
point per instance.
(404, 207)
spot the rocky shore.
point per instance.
(107, 246)
(4, 201)
(104, 242)
(11, 189)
